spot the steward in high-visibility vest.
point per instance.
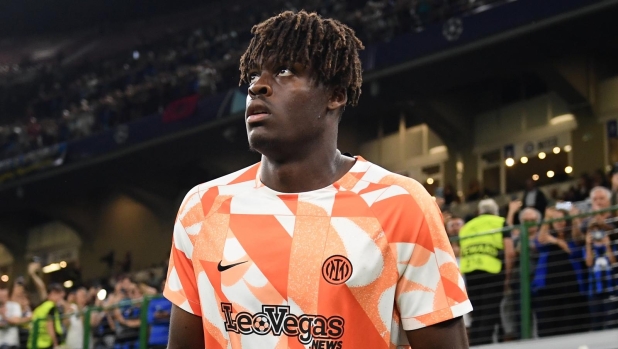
(484, 252)
(48, 332)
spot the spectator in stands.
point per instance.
(559, 302)
(70, 298)
(486, 261)
(512, 295)
(104, 334)
(159, 311)
(18, 295)
(600, 256)
(75, 322)
(127, 317)
(600, 198)
(532, 216)
(527, 215)
(36, 291)
(453, 226)
(534, 197)
(10, 318)
(92, 294)
(49, 331)
(117, 295)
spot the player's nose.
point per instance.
(260, 87)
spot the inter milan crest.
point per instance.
(337, 269)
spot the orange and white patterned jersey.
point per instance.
(352, 265)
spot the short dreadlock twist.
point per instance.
(328, 46)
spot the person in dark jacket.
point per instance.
(534, 197)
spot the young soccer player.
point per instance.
(310, 248)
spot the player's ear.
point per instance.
(338, 98)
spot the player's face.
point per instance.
(285, 107)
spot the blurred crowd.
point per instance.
(114, 321)
(62, 102)
(572, 259)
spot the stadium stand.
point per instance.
(73, 101)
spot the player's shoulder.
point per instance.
(395, 184)
(229, 184)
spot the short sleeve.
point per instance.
(181, 285)
(430, 288)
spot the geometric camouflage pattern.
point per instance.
(352, 265)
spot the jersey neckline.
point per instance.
(359, 166)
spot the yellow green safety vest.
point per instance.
(46, 312)
(481, 252)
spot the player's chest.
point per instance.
(268, 259)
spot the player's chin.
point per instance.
(259, 140)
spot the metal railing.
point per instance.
(532, 310)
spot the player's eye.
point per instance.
(285, 72)
(253, 77)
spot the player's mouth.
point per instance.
(257, 112)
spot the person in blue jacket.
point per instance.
(159, 310)
(600, 256)
(557, 287)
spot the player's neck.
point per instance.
(307, 171)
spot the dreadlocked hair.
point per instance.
(328, 46)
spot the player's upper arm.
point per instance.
(186, 330)
(181, 286)
(449, 334)
(430, 290)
